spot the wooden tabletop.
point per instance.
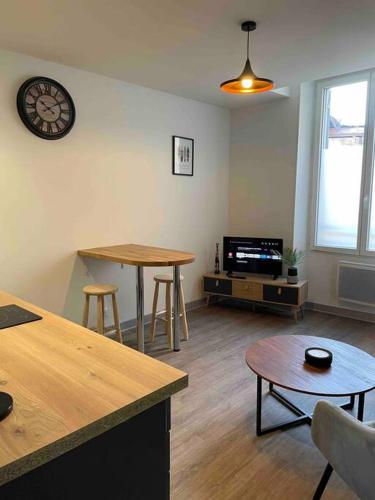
(139, 255)
(281, 360)
(69, 385)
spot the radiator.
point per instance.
(356, 283)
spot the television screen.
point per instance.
(252, 255)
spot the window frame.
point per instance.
(368, 166)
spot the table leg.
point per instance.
(259, 406)
(301, 416)
(176, 308)
(352, 401)
(140, 311)
(361, 406)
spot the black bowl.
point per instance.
(318, 357)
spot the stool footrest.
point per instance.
(164, 319)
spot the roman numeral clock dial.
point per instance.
(45, 107)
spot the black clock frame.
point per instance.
(23, 115)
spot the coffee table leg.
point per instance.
(259, 406)
(302, 418)
(349, 405)
(361, 406)
(352, 401)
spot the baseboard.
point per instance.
(341, 311)
(310, 306)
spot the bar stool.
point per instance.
(168, 281)
(100, 291)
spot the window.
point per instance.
(344, 212)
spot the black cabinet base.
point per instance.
(129, 462)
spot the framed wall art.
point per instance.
(183, 156)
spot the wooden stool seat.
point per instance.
(167, 279)
(100, 290)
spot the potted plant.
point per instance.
(292, 258)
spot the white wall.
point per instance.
(302, 203)
(263, 168)
(271, 184)
(321, 266)
(108, 182)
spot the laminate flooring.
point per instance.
(215, 453)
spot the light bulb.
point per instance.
(246, 83)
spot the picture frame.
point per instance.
(182, 156)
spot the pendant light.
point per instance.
(247, 82)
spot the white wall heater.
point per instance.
(356, 283)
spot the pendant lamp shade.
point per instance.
(248, 82)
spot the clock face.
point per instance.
(45, 107)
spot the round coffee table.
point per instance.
(281, 361)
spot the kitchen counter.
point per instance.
(70, 386)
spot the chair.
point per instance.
(100, 291)
(349, 447)
(168, 281)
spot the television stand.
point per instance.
(237, 276)
(257, 289)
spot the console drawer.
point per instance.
(218, 286)
(247, 290)
(282, 294)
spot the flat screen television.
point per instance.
(252, 255)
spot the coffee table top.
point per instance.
(281, 360)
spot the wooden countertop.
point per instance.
(69, 384)
(139, 255)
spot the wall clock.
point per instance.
(45, 107)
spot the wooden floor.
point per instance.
(215, 453)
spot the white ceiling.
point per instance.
(189, 48)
